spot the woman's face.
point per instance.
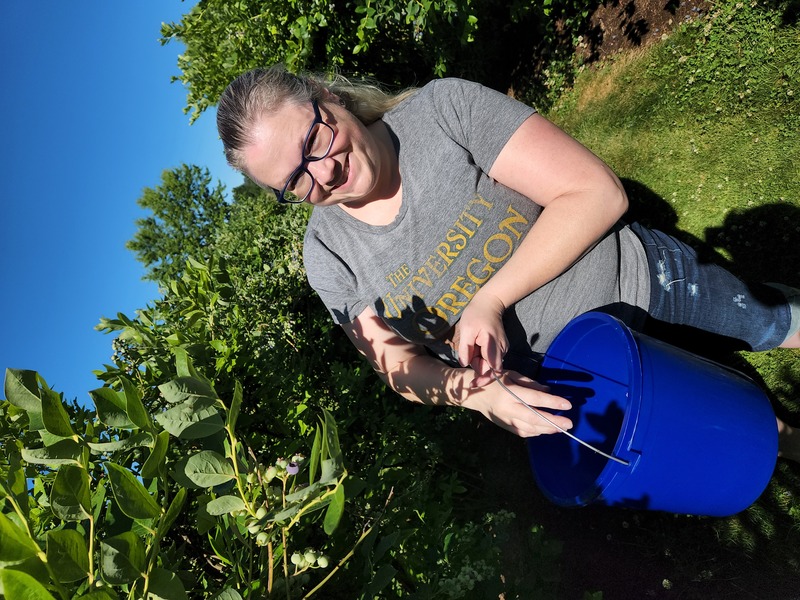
(353, 172)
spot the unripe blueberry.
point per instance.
(270, 474)
(262, 539)
(310, 556)
(322, 561)
(296, 558)
(261, 512)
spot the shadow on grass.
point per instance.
(628, 553)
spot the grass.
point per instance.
(704, 130)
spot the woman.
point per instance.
(456, 232)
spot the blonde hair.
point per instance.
(262, 91)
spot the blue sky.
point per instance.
(88, 118)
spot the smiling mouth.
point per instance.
(345, 173)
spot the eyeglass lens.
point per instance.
(318, 144)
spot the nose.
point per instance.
(325, 171)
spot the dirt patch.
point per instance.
(617, 26)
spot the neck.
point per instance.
(383, 207)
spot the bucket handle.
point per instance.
(561, 429)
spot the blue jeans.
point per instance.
(703, 296)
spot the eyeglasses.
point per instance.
(316, 146)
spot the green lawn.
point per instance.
(704, 130)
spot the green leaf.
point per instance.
(175, 508)
(70, 497)
(203, 521)
(287, 513)
(382, 578)
(15, 544)
(103, 594)
(22, 390)
(209, 469)
(111, 408)
(330, 471)
(225, 505)
(183, 362)
(137, 440)
(15, 478)
(131, 495)
(335, 510)
(33, 567)
(156, 462)
(384, 545)
(21, 586)
(307, 493)
(55, 417)
(187, 388)
(193, 419)
(134, 407)
(60, 453)
(98, 500)
(226, 594)
(122, 558)
(165, 585)
(236, 404)
(67, 555)
(313, 463)
(331, 437)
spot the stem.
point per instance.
(350, 554)
(342, 562)
(285, 562)
(270, 573)
(235, 461)
(308, 506)
(91, 551)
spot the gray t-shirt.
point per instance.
(456, 227)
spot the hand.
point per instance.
(501, 408)
(480, 338)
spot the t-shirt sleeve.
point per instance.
(331, 278)
(480, 119)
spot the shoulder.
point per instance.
(449, 89)
(459, 101)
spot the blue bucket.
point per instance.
(697, 437)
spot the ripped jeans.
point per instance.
(706, 297)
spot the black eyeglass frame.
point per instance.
(304, 160)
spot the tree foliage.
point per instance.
(186, 211)
(399, 42)
(392, 37)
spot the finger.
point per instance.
(531, 425)
(493, 350)
(527, 382)
(545, 428)
(483, 372)
(466, 349)
(530, 393)
(541, 422)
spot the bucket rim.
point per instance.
(612, 473)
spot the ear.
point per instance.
(329, 96)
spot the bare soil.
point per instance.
(617, 26)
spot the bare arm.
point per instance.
(582, 200)
(418, 377)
